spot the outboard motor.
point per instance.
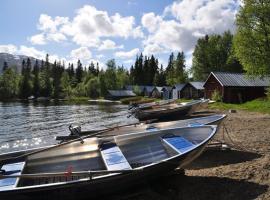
(75, 131)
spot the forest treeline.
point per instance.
(44, 79)
(248, 50)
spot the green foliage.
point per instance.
(66, 86)
(214, 53)
(216, 96)
(79, 72)
(9, 84)
(26, 84)
(257, 105)
(144, 70)
(268, 93)
(252, 39)
(130, 100)
(92, 88)
(36, 84)
(175, 72)
(136, 89)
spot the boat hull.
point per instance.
(105, 186)
(163, 115)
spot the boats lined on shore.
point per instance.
(137, 127)
(168, 111)
(93, 165)
(149, 105)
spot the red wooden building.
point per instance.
(235, 87)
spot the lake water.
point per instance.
(30, 125)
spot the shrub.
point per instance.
(268, 93)
(216, 96)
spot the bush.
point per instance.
(268, 93)
(216, 96)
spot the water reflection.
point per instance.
(26, 125)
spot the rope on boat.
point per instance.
(231, 141)
(228, 140)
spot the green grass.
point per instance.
(138, 99)
(258, 105)
(183, 100)
(77, 99)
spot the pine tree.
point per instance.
(169, 73)
(25, 85)
(79, 72)
(23, 67)
(46, 85)
(180, 76)
(36, 84)
(56, 79)
(5, 67)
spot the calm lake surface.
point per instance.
(30, 125)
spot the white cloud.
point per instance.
(31, 52)
(193, 19)
(50, 30)
(87, 27)
(151, 22)
(215, 16)
(99, 56)
(48, 24)
(37, 39)
(57, 37)
(10, 48)
(152, 49)
(127, 54)
(109, 44)
(128, 61)
(81, 53)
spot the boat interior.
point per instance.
(120, 152)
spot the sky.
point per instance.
(99, 30)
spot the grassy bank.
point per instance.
(76, 99)
(258, 105)
(138, 99)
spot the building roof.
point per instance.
(197, 85)
(168, 88)
(149, 88)
(128, 87)
(179, 86)
(121, 93)
(158, 88)
(239, 80)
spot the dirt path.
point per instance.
(239, 173)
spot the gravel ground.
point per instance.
(241, 172)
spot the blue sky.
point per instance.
(98, 30)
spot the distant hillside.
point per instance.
(14, 61)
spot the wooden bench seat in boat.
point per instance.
(113, 157)
(177, 143)
(11, 169)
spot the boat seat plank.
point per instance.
(113, 157)
(178, 143)
(12, 169)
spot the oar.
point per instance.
(88, 173)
